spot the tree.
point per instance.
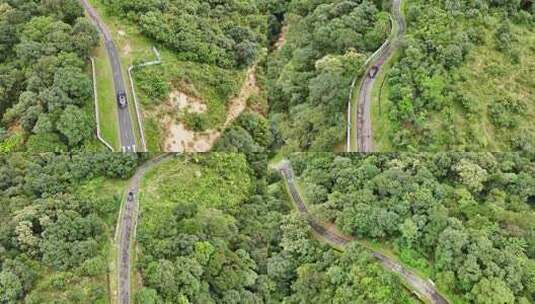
(10, 287)
(409, 230)
(471, 174)
(75, 124)
(66, 10)
(86, 37)
(147, 296)
(45, 142)
(75, 83)
(245, 53)
(492, 291)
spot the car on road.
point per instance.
(121, 99)
(373, 71)
(130, 196)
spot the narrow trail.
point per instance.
(363, 124)
(424, 289)
(126, 229)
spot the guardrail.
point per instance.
(136, 103)
(99, 133)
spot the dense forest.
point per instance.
(58, 214)
(310, 77)
(227, 33)
(464, 78)
(44, 88)
(465, 220)
(217, 229)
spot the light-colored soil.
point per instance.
(180, 139)
(238, 104)
(15, 128)
(127, 49)
(282, 38)
(183, 102)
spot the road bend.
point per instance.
(127, 224)
(424, 289)
(128, 139)
(364, 132)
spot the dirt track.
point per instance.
(424, 289)
(127, 225)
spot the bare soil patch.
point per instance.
(179, 139)
(282, 38)
(184, 102)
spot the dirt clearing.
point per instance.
(179, 139)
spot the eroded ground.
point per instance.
(180, 139)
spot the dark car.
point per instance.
(130, 196)
(121, 99)
(373, 71)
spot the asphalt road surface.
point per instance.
(127, 220)
(128, 139)
(422, 288)
(364, 130)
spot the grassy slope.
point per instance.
(380, 102)
(134, 47)
(483, 86)
(491, 74)
(185, 180)
(109, 122)
(379, 109)
(110, 191)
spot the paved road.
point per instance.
(128, 221)
(422, 288)
(128, 139)
(364, 130)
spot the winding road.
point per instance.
(128, 139)
(424, 289)
(126, 228)
(363, 127)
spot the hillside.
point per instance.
(465, 220)
(212, 61)
(463, 80)
(309, 78)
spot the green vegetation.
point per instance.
(225, 33)
(43, 83)
(309, 78)
(204, 47)
(58, 214)
(465, 220)
(463, 80)
(109, 124)
(218, 227)
(238, 242)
